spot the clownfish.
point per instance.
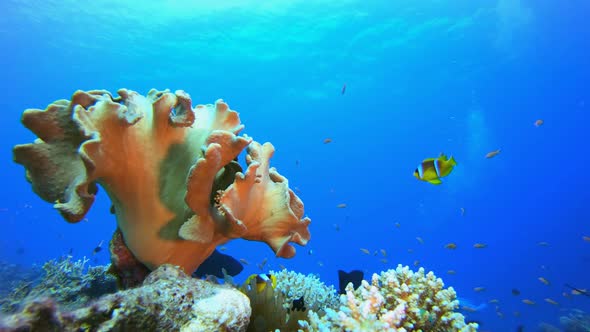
(432, 169)
(261, 280)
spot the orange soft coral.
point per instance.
(169, 170)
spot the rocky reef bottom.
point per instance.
(168, 300)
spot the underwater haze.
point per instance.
(354, 95)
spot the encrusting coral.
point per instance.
(169, 170)
(397, 300)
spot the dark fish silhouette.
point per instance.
(97, 249)
(298, 304)
(343, 88)
(520, 328)
(354, 276)
(215, 263)
(515, 292)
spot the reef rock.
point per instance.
(168, 300)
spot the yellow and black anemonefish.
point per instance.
(433, 169)
(261, 280)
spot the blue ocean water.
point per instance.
(422, 77)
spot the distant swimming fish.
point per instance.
(492, 154)
(577, 291)
(343, 88)
(97, 249)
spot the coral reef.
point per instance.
(169, 170)
(168, 300)
(317, 295)
(273, 307)
(576, 321)
(70, 283)
(396, 300)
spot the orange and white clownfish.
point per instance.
(433, 169)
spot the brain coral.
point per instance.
(169, 169)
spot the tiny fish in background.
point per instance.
(551, 301)
(480, 245)
(451, 246)
(539, 123)
(327, 140)
(515, 292)
(451, 272)
(529, 302)
(98, 248)
(365, 251)
(462, 212)
(586, 238)
(343, 88)
(543, 244)
(420, 240)
(341, 206)
(479, 289)
(244, 261)
(543, 280)
(493, 301)
(383, 252)
(416, 263)
(492, 154)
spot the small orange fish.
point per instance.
(543, 280)
(365, 251)
(529, 302)
(341, 206)
(327, 140)
(480, 245)
(539, 123)
(492, 154)
(451, 246)
(479, 289)
(551, 301)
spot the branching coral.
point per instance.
(70, 283)
(169, 170)
(396, 300)
(294, 285)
